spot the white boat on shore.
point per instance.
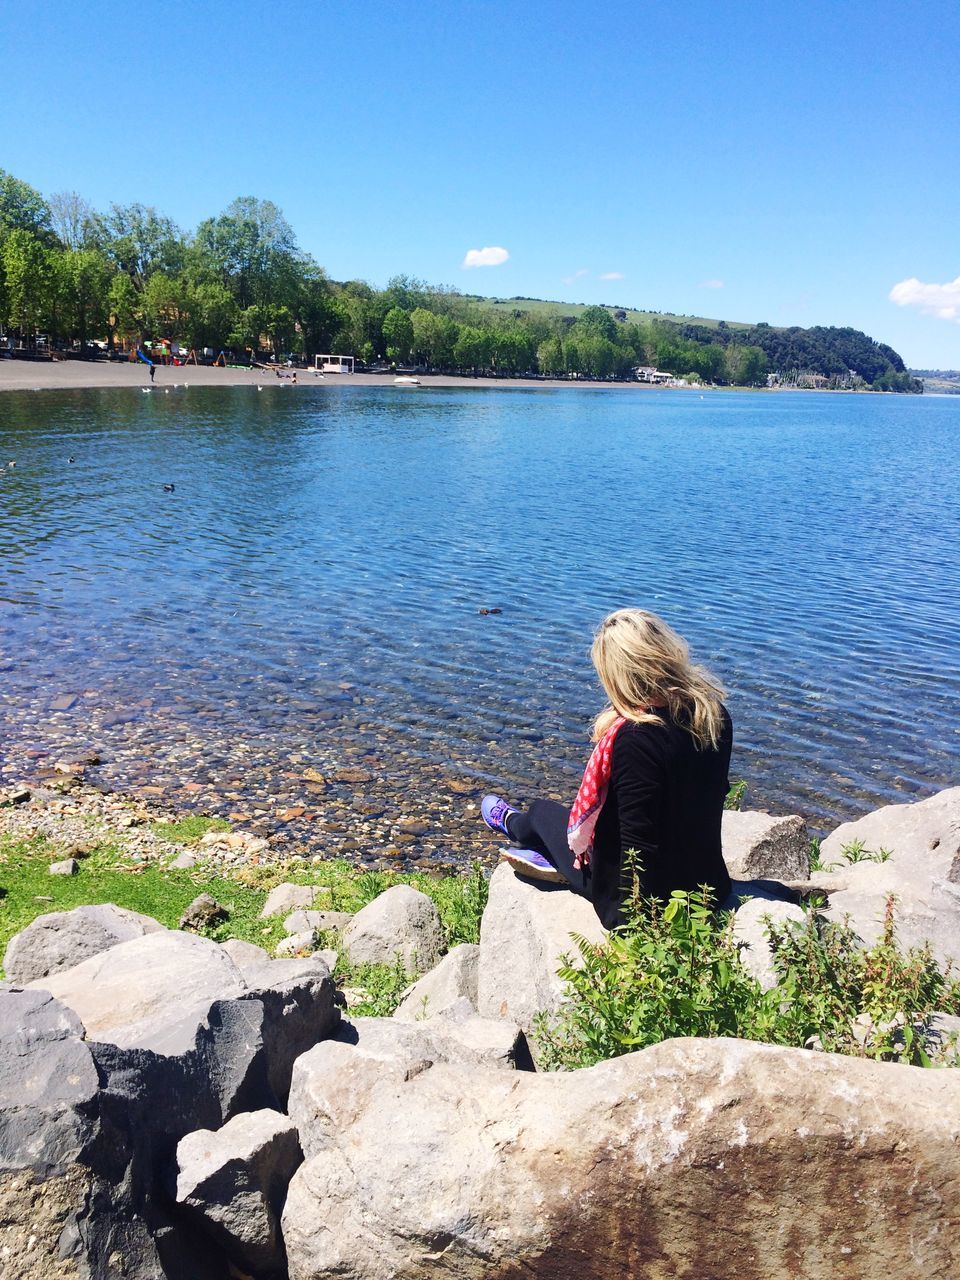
(406, 380)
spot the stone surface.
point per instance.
(293, 897)
(759, 845)
(720, 1158)
(455, 977)
(48, 1083)
(297, 943)
(66, 867)
(400, 924)
(235, 1180)
(330, 1077)
(184, 861)
(62, 939)
(322, 921)
(245, 955)
(135, 992)
(182, 998)
(750, 928)
(923, 871)
(203, 912)
(525, 933)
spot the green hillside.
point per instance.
(541, 307)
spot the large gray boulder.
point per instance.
(922, 871)
(182, 997)
(322, 921)
(401, 924)
(759, 845)
(235, 1181)
(368, 1049)
(527, 929)
(687, 1159)
(285, 898)
(48, 1083)
(76, 1167)
(455, 978)
(135, 993)
(751, 928)
(63, 939)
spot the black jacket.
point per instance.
(666, 802)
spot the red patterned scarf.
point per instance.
(590, 798)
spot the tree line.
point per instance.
(241, 282)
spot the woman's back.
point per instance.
(666, 802)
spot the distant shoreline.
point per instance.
(79, 375)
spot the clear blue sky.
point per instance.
(758, 161)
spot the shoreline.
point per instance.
(96, 375)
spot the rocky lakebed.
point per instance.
(177, 1106)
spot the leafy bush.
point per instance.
(734, 798)
(674, 970)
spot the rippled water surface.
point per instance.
(308, 595)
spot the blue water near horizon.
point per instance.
(806, 545)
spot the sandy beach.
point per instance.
(76, 375)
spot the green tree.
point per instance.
(139, 241)
(85, 283)
(598, 320)
(322, 315)
(74, 221)
(28, 280)
(251, 248)
(123, 313)
(165, 306)
(397, 334)
(212, 314)
(22, 208)
(550, 357)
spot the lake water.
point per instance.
(308, 596)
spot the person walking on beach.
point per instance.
(153, 370)
(654, 785)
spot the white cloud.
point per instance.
(577, 275)
(612, 275)
(941, 300)
(490, 256)
(710, 284)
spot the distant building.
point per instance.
(333, 364)
(646, 373)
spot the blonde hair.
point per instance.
(643, 664)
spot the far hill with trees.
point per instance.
(72, 275)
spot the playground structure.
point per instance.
(333, 364)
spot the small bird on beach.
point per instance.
(169, 488)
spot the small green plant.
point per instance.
(460, 900)
(857, 851)
(377, 989)
(735, 795)
(674, 970)
(816, 864)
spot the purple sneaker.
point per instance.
(494, 810)
(532, 865)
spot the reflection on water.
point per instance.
(310, 590)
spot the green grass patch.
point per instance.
(27, 890)
(188, 830)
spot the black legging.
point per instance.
(543, 827)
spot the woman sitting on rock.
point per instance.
(655, 783)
